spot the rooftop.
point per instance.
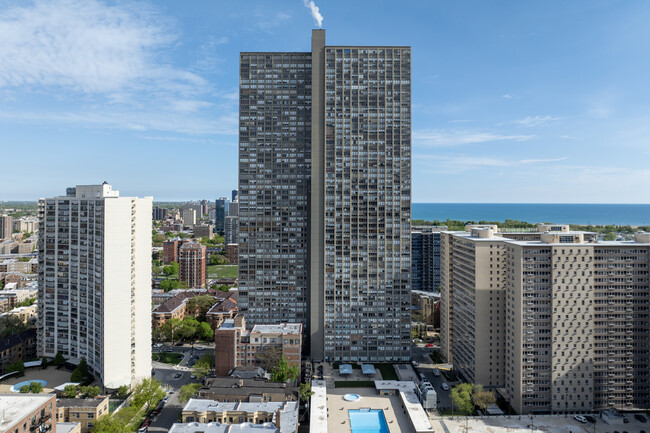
(282, 328)
(14, 407)
(15, 339)
(80, 402)
(66, 427)
(288, 411)
(215, 427)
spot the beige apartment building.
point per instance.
(556, 320)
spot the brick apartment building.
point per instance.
(239, 347)
(192, 261)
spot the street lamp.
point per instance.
(532, 422)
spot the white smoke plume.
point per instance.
(315, 13)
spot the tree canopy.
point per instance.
(282, 371)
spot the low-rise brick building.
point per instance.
(236, 346)
(85, 411)
(17, 347)
(27, 412)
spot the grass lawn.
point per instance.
(223, 271)
(354, 384)
(387, 371)
(167, 358)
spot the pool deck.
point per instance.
(51, 375)
(339, 421)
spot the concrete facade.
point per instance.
(95, 282)
(561, 323)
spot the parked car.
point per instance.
(430, 345)
(165, 399)
(142, 430)
(580, 418)
(444, 386)
(591, 419)
(640, 417)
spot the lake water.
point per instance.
(596, 214)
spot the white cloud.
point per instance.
(112, 61)
(315, 12)
(532, 121)
(507, 96)
(454, 137)
(457, 163)
(87, 46)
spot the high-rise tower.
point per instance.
(325, 203)
(95, 282)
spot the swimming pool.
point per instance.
(16, 387)
(367, 421)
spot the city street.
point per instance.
(172, 377)
(426, 366)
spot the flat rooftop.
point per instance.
(215, 427)
(282, 328)
(15, 407)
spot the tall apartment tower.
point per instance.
(557, 319)
(5, 226)
(325, 196)
(95, 282)
(425, 257)
(191, 263)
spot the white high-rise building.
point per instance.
(95, 282)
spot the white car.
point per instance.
(580, 418)
(436, 372)
(444, 386)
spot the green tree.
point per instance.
(305, 392)
(188, 391)
(214, 259)
(282, 371)
(10, 325)
(44, 362)
(461, 397)
(168, 285)
(156, 270)
(610, 236)
(482, 398)
(198, 306)
(91, 391)
(109, 424)
(70, 391)
(168, 270)
(122, 392)
(32, 388)
(204, 332)
(59, 360)
(80, 373)
(16, 366)
(147, 393)
(188, 328)
(203, 366)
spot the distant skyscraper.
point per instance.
(425, 261)
(234, 195)
(95, 282)
(221, 206)
(5, 226)
(189, 217)
(325, 196)
(160, 213)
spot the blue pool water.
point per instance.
(16, 387)
(367, 421)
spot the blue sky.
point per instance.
(512, 101)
